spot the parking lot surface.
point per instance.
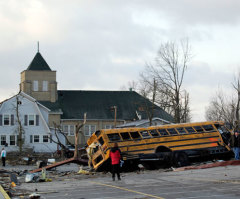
(219, 183)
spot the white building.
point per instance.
(23, 110)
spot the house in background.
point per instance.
(144, 123)
(24, 110)
(105, 109)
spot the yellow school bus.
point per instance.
(175, 143)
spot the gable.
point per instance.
(26, 106)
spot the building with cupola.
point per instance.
(104, 109)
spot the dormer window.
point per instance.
(35, 85)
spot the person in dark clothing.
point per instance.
(234, 143)
(115, 155)
(3, 155)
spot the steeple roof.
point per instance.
(38, 63)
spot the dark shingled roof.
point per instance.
(38, 63)
(97, 104)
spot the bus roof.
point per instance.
(160, 126)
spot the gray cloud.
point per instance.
(104, 44)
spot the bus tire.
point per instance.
(180, 159)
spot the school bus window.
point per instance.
(114, 137)
(135, 135)
(98, 159)
(101, 141)
(125, 136)
(97, 133)
(181, 130)
(154, 133)
(208, 127)
(95, 149)
(172, 131)
(145, 134)
(221, 129)
(198, 128)
(163, 132)
(190, 129)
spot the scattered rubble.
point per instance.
(12, 177)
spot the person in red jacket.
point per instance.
(115, 155)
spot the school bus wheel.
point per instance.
(180, 159)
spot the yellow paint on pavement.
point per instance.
(129, 190)
(3, 193)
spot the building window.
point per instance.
(45, 86)
(35, 85)
(3, 140)
(108, 126)
(89, 129)
(12, 140)
(71, 132)
(69, 129)
(45, 138)
(36, 138)
(6, 120)
(65, 128)
(31, 120)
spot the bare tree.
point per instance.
(78, 127)
(224, 107)
(236, 86)
(221, 108)
(20, 126)
(168, 74)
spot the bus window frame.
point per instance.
(213, 128)
(130, 138)
(172, 134)
(165, 131)
(149, 135)
(197, 130)
(156, 130)
(194, 131)
(101, 137)
(114, 140)
(134, 139)
(186, 132)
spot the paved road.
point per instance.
(219, 183)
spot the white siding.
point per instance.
(27, 106)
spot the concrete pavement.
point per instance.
(218, 182)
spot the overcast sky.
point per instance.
(102, 45)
